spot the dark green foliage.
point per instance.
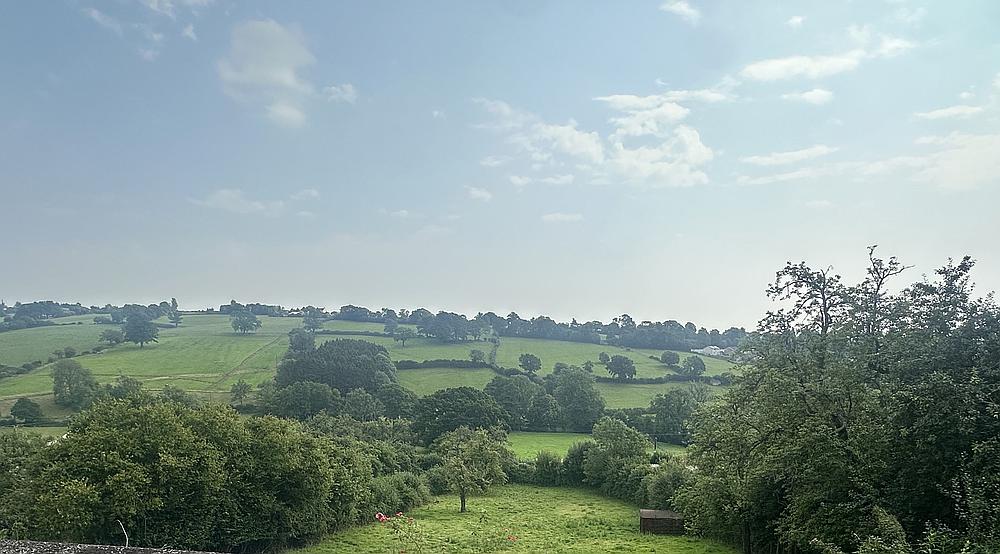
(572, 464)
(26, 410)
(437, 480)
(112, 336)
(344, 364)
(580, 402)
(622, 367)
(617, 450)
(397, 401)
(663, 483)
(177, 395)
(398, 492)
(73, 385)
(449, 409)
(670, 358)
(692, 366)
(544, 413)
(477, 355)
(140, 330)
(548, 469)
(302, 400)
(240, 391)
(514, 395)
(124, 387)
(529, 363)
(300, 343)
(362, 406)
(474, 460)
(243, 322)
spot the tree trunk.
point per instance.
(461, 495)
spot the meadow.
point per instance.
(527, 444)
(542, 519)
(206, 357)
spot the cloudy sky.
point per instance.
(577, 159)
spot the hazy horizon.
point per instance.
(568, 159)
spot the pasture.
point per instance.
(205, 356)
(527, 444)
(543, 519)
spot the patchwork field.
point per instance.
(542, 519)
(203, 355)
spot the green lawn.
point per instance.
(543, 520)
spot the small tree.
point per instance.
(603, 358)
(26, 410)
(174, 315)
(404, 334)
(244, 322)
(390, 327)
(112, 336)
(622, 367)
(473, 460)
(529, 362)
(240, 391)
(670, 358)
(140, 331)
(311, 323)
(477, 355)
(693, 366)
(72, 384)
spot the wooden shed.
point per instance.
(661, 522)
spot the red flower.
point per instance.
(399, 514)
(381, 517)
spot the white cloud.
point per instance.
(494, 161)
(795, 21)
(161, 7)
(103, 20)
(189, 32)
(519, 181)
(794, 156)
(676, 162)
(480, 194)
(305, 194)
(400, 214)
(682, 9)
(341, 93)
(286, 115)
(558, 179)
(966, 95)
(653, 121)
(817, 96)
(950, 112)
(263, 66)
(812, 67)
(438, 114)
(560, 217)
(890, 47)
(236, 201)
(569, 140)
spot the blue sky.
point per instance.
(577, 159)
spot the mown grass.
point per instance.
(204, 355)
(543, 520)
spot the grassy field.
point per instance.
(203, 355)
(527, 444)
(543, 520)
(46, 431)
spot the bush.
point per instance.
(662, 484)
(548, 469)
(520, 472)
(437, 480)
(398, 492)
(572, 464)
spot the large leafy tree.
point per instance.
(622, 367)
(449, 409)
(73, 385)
(514, 395)
(243, 322)
(140, 330)
(529, 363)
(473, 460)
(26, 410)
(579, 400)
(344, 364)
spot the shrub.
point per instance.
(572, 464)
(437, 480)
(396, 493)
(662, 484)
(548, 469)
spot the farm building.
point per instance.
(661, 522)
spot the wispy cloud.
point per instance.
(950, 112)
(816, 96)
(494, 161)
(236, 201)
(794, 156)
(682, 9)
(560, 217)
(103, 20)
(341, 93)
(795, 21)
(189, 33)
(479, 194)
(305, 194)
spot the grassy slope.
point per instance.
(543, 519)
(526, 444)
(204, 355)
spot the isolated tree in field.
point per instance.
(477, 355)
(240, 391)
(670, 358)
(139, 330)
(26, 410)
(473, 460)
(449, 409)
(693, 366)
(244, 322)
(73, 385)
(404, 334)
(311, 323)
(603, 358)
(622, 367)
(529, 362)
(174, 314)
(390, 327)
(112, 336)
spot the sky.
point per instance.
(568, 158)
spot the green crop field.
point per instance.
(543, 519)
(204, 355)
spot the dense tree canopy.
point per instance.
(73, 385)
(344, 364)
(449, 409)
